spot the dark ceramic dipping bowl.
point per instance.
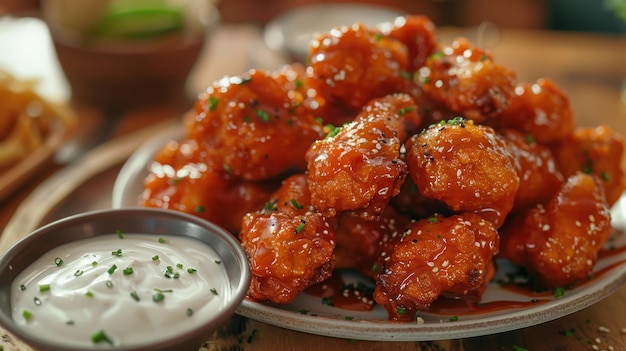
(155, 222)
(119, 73)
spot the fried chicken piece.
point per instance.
(417, 33)
(540, 177)
(197, 189)
(558, 243)
(350, 65)
(437, 256)
(466, 80)
(257, 126)
(541, 110)
(359, 168)
(289, 245)
(598, 151)
(465, 165)
(359, 242)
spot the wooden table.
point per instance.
(590, 68)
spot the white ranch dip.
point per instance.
(84, 293)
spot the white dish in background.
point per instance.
(325, 320)
(292, 30)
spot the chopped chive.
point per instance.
(348, 318)
(270, 206)
(300, 226)
(559, 292)
(112, 269)
(163, 290)
(101, 336)
(161, 240)
(58, 261)
(89, 293)
(454, 318)
(179, 265)
(303, 311)
(328, 301)
(296, 205)
(158, 297)
(44, 287)
(199, 208)
(213, 291)
(22, 287)
(134, 296)
(117, 253)
(213, 103)
(28, 315)
(189, 312)
(264, 116)
(375, 268)
(155, 257)
(78, 273)
(119, 234)
(401, 311)
(94, 263)
(191, 270)
(405, 110)
(128, 271)
(218, 261)
(109, 284)
(36, 301)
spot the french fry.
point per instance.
(27, 119)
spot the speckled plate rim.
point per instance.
(328, 321)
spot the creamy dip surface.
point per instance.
(120, 290)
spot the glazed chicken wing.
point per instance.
(350, 65)
(558, 243)
(596, 151)
(289, 246)
(255, 126)
(465, 165)
(360, 241)
(197, 189)
(540, 177)
(360, 168)
(466, 80)
(436, 256)
(417, 33)
(540, 110)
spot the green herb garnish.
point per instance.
(101, 336)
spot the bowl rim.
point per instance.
(239, 287)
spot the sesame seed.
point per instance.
(603, 329)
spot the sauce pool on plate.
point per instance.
(120, 289)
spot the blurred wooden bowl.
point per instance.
(125, 73)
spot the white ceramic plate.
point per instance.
(308, 314)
